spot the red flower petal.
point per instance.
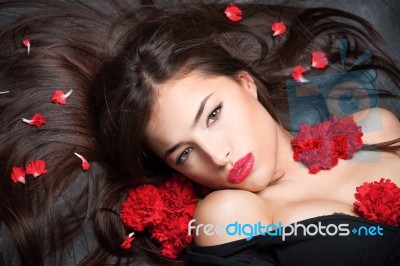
(37, 120)
(319, 59)
(36, 168)
(379, 202)
(58, 97)
(18, 174)
(233, 13)
(85, 164)
(27, 44)
(127, 244)
(279, 28)
(297, 74)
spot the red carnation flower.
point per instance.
(278, 28)
(142, 207)
(36, 168)
(85, 164)
(319, 59)
(297, 74)
(18, 175)
(58, 97)
(379, 202)
(37, 120)
(321, 146)
(233, 12)
(165, 210)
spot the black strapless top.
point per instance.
(356, 248)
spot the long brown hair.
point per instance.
(114, 58)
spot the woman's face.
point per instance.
(214, 131)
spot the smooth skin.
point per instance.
(233, 123)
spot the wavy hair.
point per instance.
(115, 57)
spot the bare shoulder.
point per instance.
(224, 207)
(378, 125)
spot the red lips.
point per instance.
(241, 169)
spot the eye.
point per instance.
(183, 156)
(214, 115)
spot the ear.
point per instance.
(247, 82)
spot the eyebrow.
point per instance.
(201, 109)
(195, 122)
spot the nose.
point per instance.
(217, 151)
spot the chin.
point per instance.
(256, 184)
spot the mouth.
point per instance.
(241, 169)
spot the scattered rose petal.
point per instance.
(27, 44)
(37, 120)
(4, 92)
(297, 74)
(36, 168)
(18, 174)
(58, 97)
(278, 28)
(233, 13)
(319, 59)
(127, 244)
(85, 164)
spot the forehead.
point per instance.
(182, 92)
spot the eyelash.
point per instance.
(179, 160)
(186, 152)
(217, 110)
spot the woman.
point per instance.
(177, 92)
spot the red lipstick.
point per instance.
(241, 169)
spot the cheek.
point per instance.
(254, 126)
(265, 142)
(203, 173)
(196, 169)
